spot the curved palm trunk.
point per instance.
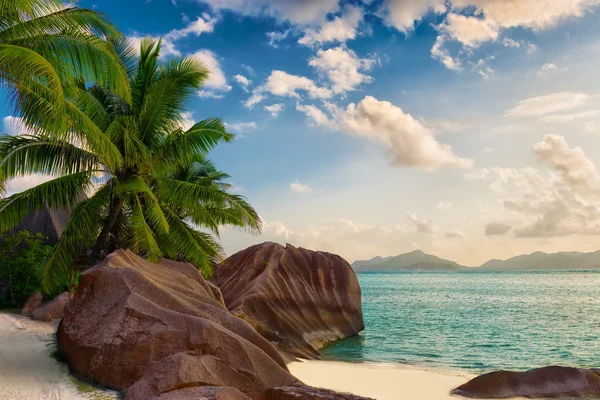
(108, 225)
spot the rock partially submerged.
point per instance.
(33, 302)
(308, 393)
(548, 382)
(296, 298)
(53, 309)
(161, 331)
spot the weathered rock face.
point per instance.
(308, 393)
(296, 298)
(160, 330)
(53, 309)
(548, 382)
(33, 302)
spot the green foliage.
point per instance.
(22, 256)
(148, 183)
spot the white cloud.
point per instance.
(444, 205)
(497, 229)
(470, 31)
(438, 52)
(574, 166)
(343, 68)
(565, 118)
(243, 81)
(209, 94)
(316, 115)
(13, 126)
(241, 126)
(550, 69)
(187, 120)
(274, 109)
(282, 84)
(300, 12)
(276, 37)
(216, 80)
(454, 234)
(508, 42)
(256, 98)
(298, 187)
(566, 202)
(535, 14)
(548, 104)
(203, 24)
(409, 142)
(22, 183)
(402, 14)
(340, 29)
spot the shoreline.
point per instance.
(29, 371)
(382, 381)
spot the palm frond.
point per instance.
(62, 192)
(82, 228)
(27, 155)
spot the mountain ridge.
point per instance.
(418, 260)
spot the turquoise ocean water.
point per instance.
(478, 321)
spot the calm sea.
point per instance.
(478, 321)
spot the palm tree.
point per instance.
(148, 184)
(44, 47)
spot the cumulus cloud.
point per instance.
(470, 31)
(497, 229)
(274, 109)
(548, 104)
(565, 202)
(339, 29)
(298, 187)
(187, 120)
(301, 12)
(282, 84)
(216, 81)
(533, 14)
(409, 142)
(343, 68)
(402, 14)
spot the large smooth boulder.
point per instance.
(156, 329)
(52, 310)
(547, 382)
(33, 302)
(298, 299)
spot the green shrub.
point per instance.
(22, 256)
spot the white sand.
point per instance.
(27, 369)
(379, 381)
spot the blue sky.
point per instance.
(469, 129)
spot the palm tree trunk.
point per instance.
(108, 225)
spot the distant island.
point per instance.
(538, 261)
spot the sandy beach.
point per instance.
(379, 381)
(27, 369)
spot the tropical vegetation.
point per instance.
(137, 177)
(22, 256)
